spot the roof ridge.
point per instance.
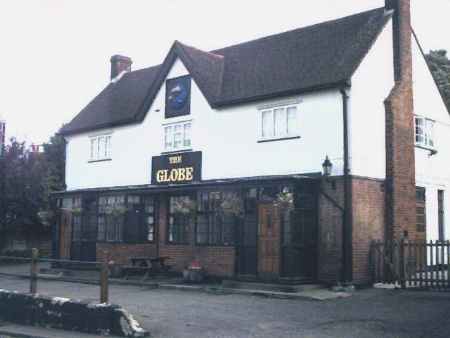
(214, 51)
(332, 21)
(254, 70)
(362, 33)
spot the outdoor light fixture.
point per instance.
(327, 167)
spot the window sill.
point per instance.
(102, 160)
(185, 150)
(278, 139)
(432, 151)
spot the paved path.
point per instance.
(171, 313)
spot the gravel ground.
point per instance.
(172, 313)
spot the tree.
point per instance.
(55, 159)
(27, 180)
(440, 67)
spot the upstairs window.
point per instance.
(100, 148)
(424, 132)
(177, 136)
(278, 123)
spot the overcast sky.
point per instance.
(55, 54)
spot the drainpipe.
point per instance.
(347, 228)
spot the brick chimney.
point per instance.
(400, 158)
(120, 63)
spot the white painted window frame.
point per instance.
(100, 151)
(169, 140)
(292, 130)
(428, 141)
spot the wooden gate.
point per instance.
(411, 264)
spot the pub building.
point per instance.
(276, 159)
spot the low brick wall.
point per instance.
(67, 314)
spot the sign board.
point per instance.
(178, 96)
(177, 168)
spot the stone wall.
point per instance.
(67, 314)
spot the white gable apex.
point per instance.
(178, 69)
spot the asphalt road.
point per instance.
(171, 313)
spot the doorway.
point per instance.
(268, 241)
(299, 235)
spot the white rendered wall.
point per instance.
(432, 172)
(371, 85)
(227, 137)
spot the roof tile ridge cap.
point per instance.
(210, 53)
(361, 32)
(330, 21)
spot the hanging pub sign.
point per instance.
(178, 96)
(177, 168)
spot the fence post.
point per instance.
(402, 264)
(104, 272)
(34, 270)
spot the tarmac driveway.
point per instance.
(172, 313)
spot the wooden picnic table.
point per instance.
(146, 265)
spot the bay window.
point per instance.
(111, 218)
(181, 215)
(217, 217)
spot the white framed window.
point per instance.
(177, 136)
(424, 132)
(100, 147)
(278, 123)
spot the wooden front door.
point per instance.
(65, 234)
(268, 241)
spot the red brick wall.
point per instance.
(368, 223)
(120, 252)
(217, 260)
(400, 160)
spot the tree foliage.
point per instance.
(26, 181)
(440, 67)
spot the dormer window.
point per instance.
(100, 148)
(424, 132)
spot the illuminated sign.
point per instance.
(177, 168)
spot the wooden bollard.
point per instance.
(34, 270)
(104, 275)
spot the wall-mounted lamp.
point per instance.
(327, 167)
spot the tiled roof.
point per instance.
(320, 56)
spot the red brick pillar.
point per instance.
(400, 159)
